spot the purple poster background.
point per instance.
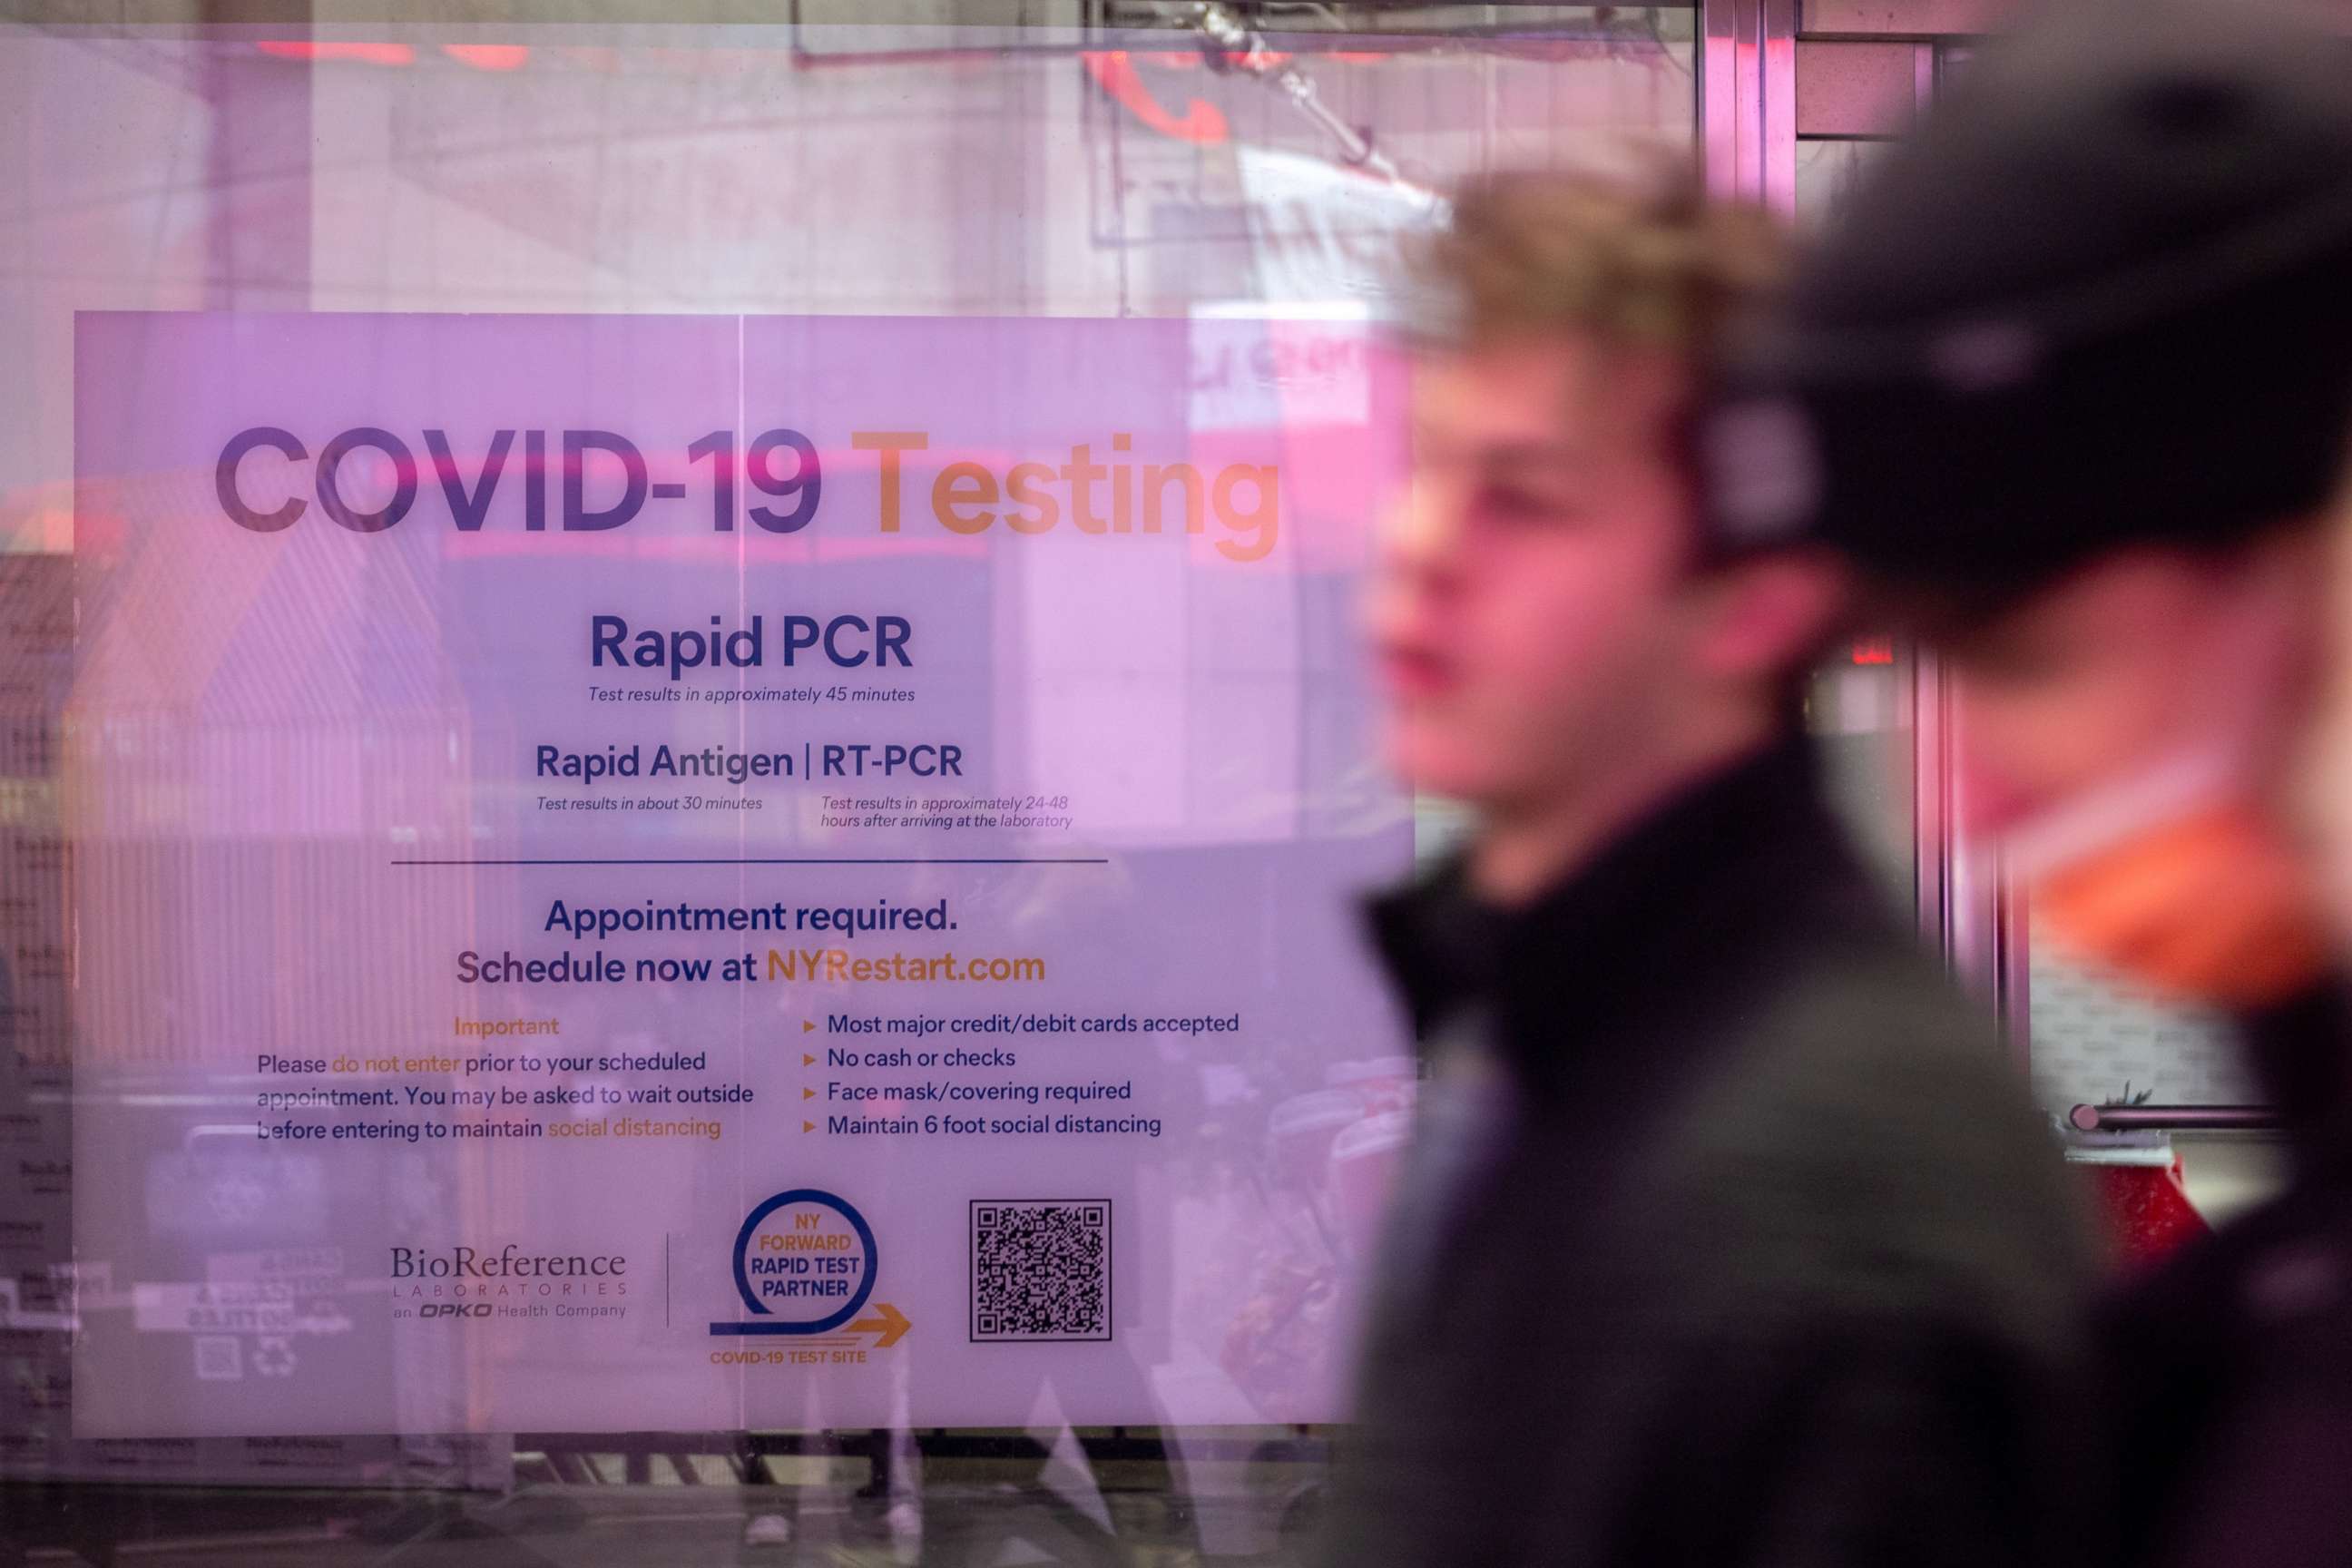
(1051, 673)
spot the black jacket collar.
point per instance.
(1703, 883)
(2301, 1055)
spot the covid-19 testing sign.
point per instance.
(692, 872)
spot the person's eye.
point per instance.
(1518, 504)
(2012, 661)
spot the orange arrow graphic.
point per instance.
(808, 1094)
(807, 1060)
(891, 1325)
(807, 1028)
(808, 1126)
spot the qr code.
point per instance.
(1041, 1270)
(220, 1358)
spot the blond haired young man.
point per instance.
(1725, 1237)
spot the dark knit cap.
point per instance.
(2103, 298)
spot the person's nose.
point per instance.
(1426, 533)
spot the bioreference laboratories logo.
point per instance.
(465, 1284)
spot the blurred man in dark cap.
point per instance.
(1726, 1237)
(2073, 384)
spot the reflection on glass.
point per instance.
(881, 505)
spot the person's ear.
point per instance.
(1767, 615)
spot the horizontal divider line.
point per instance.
(798, 860)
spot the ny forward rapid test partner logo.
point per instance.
(806, 1263)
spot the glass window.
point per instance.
(682, 766)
